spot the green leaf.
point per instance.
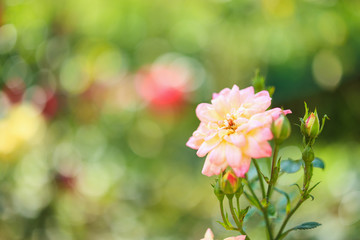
(252, 200)
(271, 210)
(306, 226)
(227, 219)
(290, 166)
(312, 197)
(297, 185)
(258, 82)
(223, 224)
(244, 212)
(288, 204)
(250, 213)
(267, 179)
(323, 122)
(318, 163)
(306, 111)
(313, 187)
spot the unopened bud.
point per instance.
(217, 191)
(229, 183)
(312, 125)
(308, 155)
(281, 129)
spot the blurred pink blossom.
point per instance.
(14, 90)
(210, 236)
(234, 128)
(241, 237)
(163, 86)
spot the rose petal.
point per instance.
(243, 168)
(194, 143)
(206, 113)
(233, 155)
(208, 145)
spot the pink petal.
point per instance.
(208, 145)
(263, 134)
(256, 149)
(221, 106)
(211, 169)
(263, 117)
(224, 92)
(287, 111)
(241, 237)
(262, 100)
(241, 170)
(236, 139)
(233, 155)
(253, 124)
(215, 161)
(208, 235)
(246, 93)
(194, 143)
(207, 168)
(206, 113)
(234, 97)
(217, 155)
(275, 112)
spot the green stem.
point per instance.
(288, 216)
(260, 178)
(225, 219)
(222, 212)
(273, 164)
(238, 205)
(307, 176)
(306, 184)
(233, 214)
(263, 210)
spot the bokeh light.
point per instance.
(98, 99)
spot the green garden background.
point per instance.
(98, 99)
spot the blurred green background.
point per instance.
(98, 97)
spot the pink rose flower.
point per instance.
(234, 128)
(210, 236)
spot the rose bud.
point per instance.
(229, 182)
(312, 125)
(281, 129)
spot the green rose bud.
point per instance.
(229, 183)
(308, 155)
(217, 191)
(281, 129)
(312, 125)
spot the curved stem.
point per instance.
(222, 212)
(260, 178)
(273, 164)
(306, 184)
(283, 225)
(238, 224)
(263, 210)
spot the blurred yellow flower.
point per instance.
(22, 125)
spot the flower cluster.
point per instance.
(234, 128)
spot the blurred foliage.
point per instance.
(98, 97)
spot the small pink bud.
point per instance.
(312, 125)
(229, 183)
(281, 129)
